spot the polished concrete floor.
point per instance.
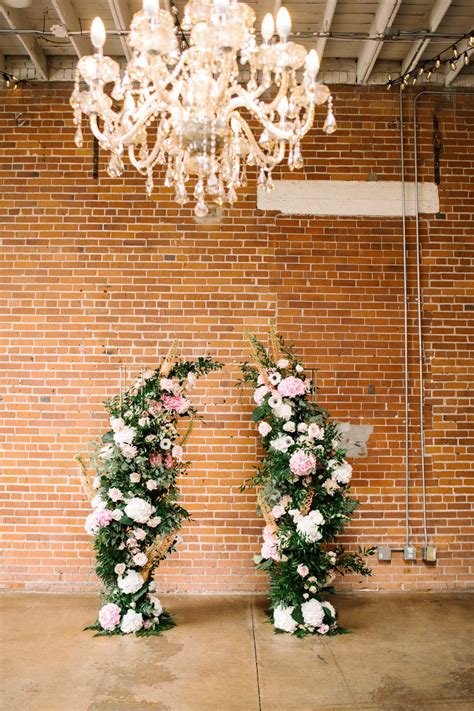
(405, 652)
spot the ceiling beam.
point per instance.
(70, 20)
(384, 17)
(431, 23)
(462, 47)
(122, 17)
(16, 20)
(2, 62)
(326, 22)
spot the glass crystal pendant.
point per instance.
(206, 107)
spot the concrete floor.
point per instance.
(405, 652)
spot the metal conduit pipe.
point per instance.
(420, 298)
(405, 328)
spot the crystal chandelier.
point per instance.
(192, 109)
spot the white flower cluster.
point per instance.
(308, 526)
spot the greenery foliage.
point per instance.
(303, 492)
(136, 512)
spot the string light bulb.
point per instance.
(438, 62)
(455, 52)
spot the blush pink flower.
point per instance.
(270, 544)
(168, 461)
(177, 403)
(154, 407)
(291, 387)
(155, 459)
(302, 570)
(260, 393)
(177, 452)
(323, 629)
(109, 616)
(302, 464)
(98, 519)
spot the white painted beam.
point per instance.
(347, 198)
(122, 17)
(462, 46)
(16, 20)
(384, 17)
(70, 20)
(431, 23)
(329, 11)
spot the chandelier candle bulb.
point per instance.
(150, 7)
(283, 23)
(268, 27)
(98, 33)
(312, 63)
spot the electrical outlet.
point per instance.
(384, 553)
(429, 553)
(409, 553)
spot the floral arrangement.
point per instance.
(136, 515)
(302, 485)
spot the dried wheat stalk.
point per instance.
(85, 477)
(265, 509)
(169, 359)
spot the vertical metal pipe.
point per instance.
(419, 306)
(405, 328)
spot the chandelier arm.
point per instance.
(268, 160)
(101, 137)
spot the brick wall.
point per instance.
(94, 275)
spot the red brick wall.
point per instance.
(94, 274)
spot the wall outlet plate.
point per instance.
(384, 553)
(429, 553)
(409, 553)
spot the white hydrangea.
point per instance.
(308, 526)
(131, 622)
(139, 510)
(283, 620)
(342, 472)
(283, 411)
(125, 435)
(313, 613)
(130, 583)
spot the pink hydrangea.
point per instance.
(260, 393)
(109, 616)
(291, 387)
(270, 544)
(175, 402)
(302, 464)
(99, 518)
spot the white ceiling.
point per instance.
(41, 57)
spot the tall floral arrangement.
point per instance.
(303, 493)
(135, 511)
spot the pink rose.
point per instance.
(323, 629)
(109, 616)
(315, 431)
(278, 510)
(168, 461)
(154, 407)
(177, 452)
(302, 570)
(302, 464)
(155, 459)
(176, 403)
(291, 387)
